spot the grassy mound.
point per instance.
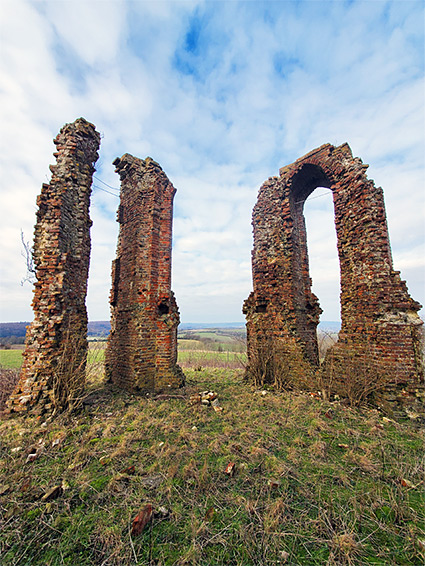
(312, 482)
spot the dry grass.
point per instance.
(308, 489)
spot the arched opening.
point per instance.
(319, 216)
(323, 252)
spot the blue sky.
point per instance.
(221, 94)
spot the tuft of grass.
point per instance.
(307, 489)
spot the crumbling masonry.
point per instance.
(381, 330)
(56, 342)
(141, 354)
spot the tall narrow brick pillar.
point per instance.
(380, 328)
(56, 343)
(141, 354)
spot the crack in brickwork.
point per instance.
(61, 260)
(141, 354)
(379, 320)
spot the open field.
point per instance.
(203, 348)
(194, 357)
(314, 483)
(11, 358)
(221, 347)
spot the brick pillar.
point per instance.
(56, 342)
(141, 354)
(381, 329)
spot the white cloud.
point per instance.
(221, 95)
(91, 29)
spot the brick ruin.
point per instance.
(141, 354)
(381, 332)
(56, 343)
(380, 328)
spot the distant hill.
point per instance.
(99, 328)
(202, 325)
(13, 329)
(103, 327)
(18, 329)
(333, 325)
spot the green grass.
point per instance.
(221, 340)
(11, 358)
(336, 495)
(192, 353)
(205, 358)
(188, 344)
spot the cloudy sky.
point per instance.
(221, 94)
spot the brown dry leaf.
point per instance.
(141, 520)
(230, 469)
(273, 483)
(26, 484)
(407, 483)
(129, 471)
(209, 514)
(345, 446)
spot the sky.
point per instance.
(221, 94)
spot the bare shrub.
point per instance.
(283, 368)
(73, 369)
(353, 376)
(8, 380)
(325, 340)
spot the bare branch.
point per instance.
(27, 254)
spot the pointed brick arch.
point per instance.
(379, 320)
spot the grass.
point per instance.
(11, 358)
(192, 354)
(196, 359)
(315, 482)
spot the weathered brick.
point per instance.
(379, 320)
(141, 354)
(61, 260)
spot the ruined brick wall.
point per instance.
(142, 347)
(57, 338)
(380, 324)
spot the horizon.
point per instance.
(226, 323)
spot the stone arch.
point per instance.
(379, 320)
